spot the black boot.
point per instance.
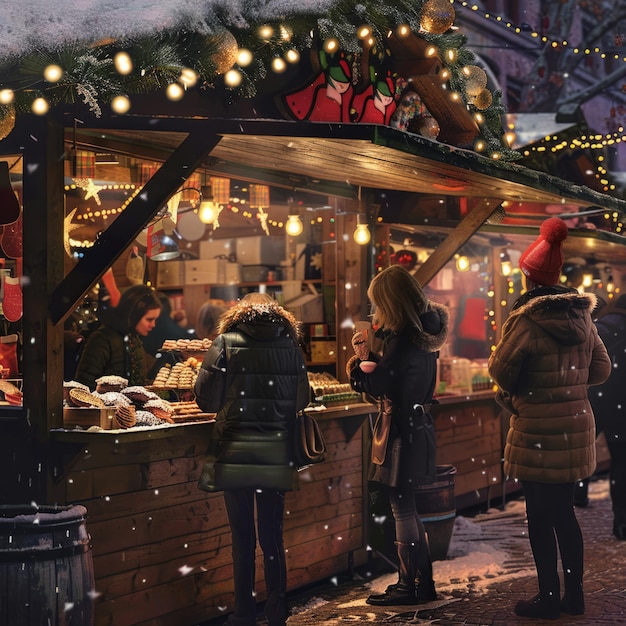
(403, 592)
(425, 584)
(540, 607)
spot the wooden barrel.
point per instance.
(46, 566)
(436, 506)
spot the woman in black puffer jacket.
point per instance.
(255, 379)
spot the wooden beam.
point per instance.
(447, 248)
(120, 234)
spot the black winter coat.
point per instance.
(607, 400)
(255, 378)
(406, 375)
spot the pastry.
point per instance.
(110, 383)
(159, 408)
(82, 398)
(72, 384)
(125, 416)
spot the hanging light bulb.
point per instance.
(506, 267)
(462, 263)
(361, 233)
(294, 226)
(209, 211)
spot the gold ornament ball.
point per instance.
(7, 120)
(437, 16)
(226, 50)
(483, 100)
(475, 79)
(428, 127)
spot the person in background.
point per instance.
(413, 329)
(548, 356)
(207, 318)
(254, 378)
(165, 328)
(115, 347)
(609, 408)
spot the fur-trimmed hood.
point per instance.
(265, 321)
(561, 313)
(434, 332)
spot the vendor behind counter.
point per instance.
(115, 348)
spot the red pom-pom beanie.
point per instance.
(543, 259)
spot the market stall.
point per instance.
(161, 548)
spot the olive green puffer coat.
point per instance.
(549, 355)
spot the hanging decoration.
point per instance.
(237, 61)
(437, 16)
(7, 120)
(260, 199)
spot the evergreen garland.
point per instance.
(89, 73)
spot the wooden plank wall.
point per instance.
(469, 436)
(162, 548)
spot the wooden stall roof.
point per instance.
(366, 155)
(354, 155)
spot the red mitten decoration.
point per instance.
(12, 302)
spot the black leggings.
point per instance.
(551, 519)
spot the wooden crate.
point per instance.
(86, 417)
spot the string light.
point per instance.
(529, 32)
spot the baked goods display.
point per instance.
(12, 395)
(71, 384)
(181, 375)
(110, 383)
(134, 406)
(186, 345)
(329, 391)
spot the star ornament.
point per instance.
(90, 188)
(316, 261)
(68, 227)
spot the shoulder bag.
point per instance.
(309, 445)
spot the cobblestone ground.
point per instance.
(488, 569)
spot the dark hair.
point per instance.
(135, 302)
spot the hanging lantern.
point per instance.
(7, 120)
(221, 189)
(259, 196)
(437, 16)
(475, 79)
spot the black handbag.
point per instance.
(309, 445)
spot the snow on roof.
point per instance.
(29, 24)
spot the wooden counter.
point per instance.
(162, 548)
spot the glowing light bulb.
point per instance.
(233, 78)
(120, 104)
(362, 234)
(123, 63)
(6, 96)
(462, 263)
(53, 73)
(40, 106)
(244, 57)
(174, 92)
(294, 226)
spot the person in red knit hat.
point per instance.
(548, 356)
